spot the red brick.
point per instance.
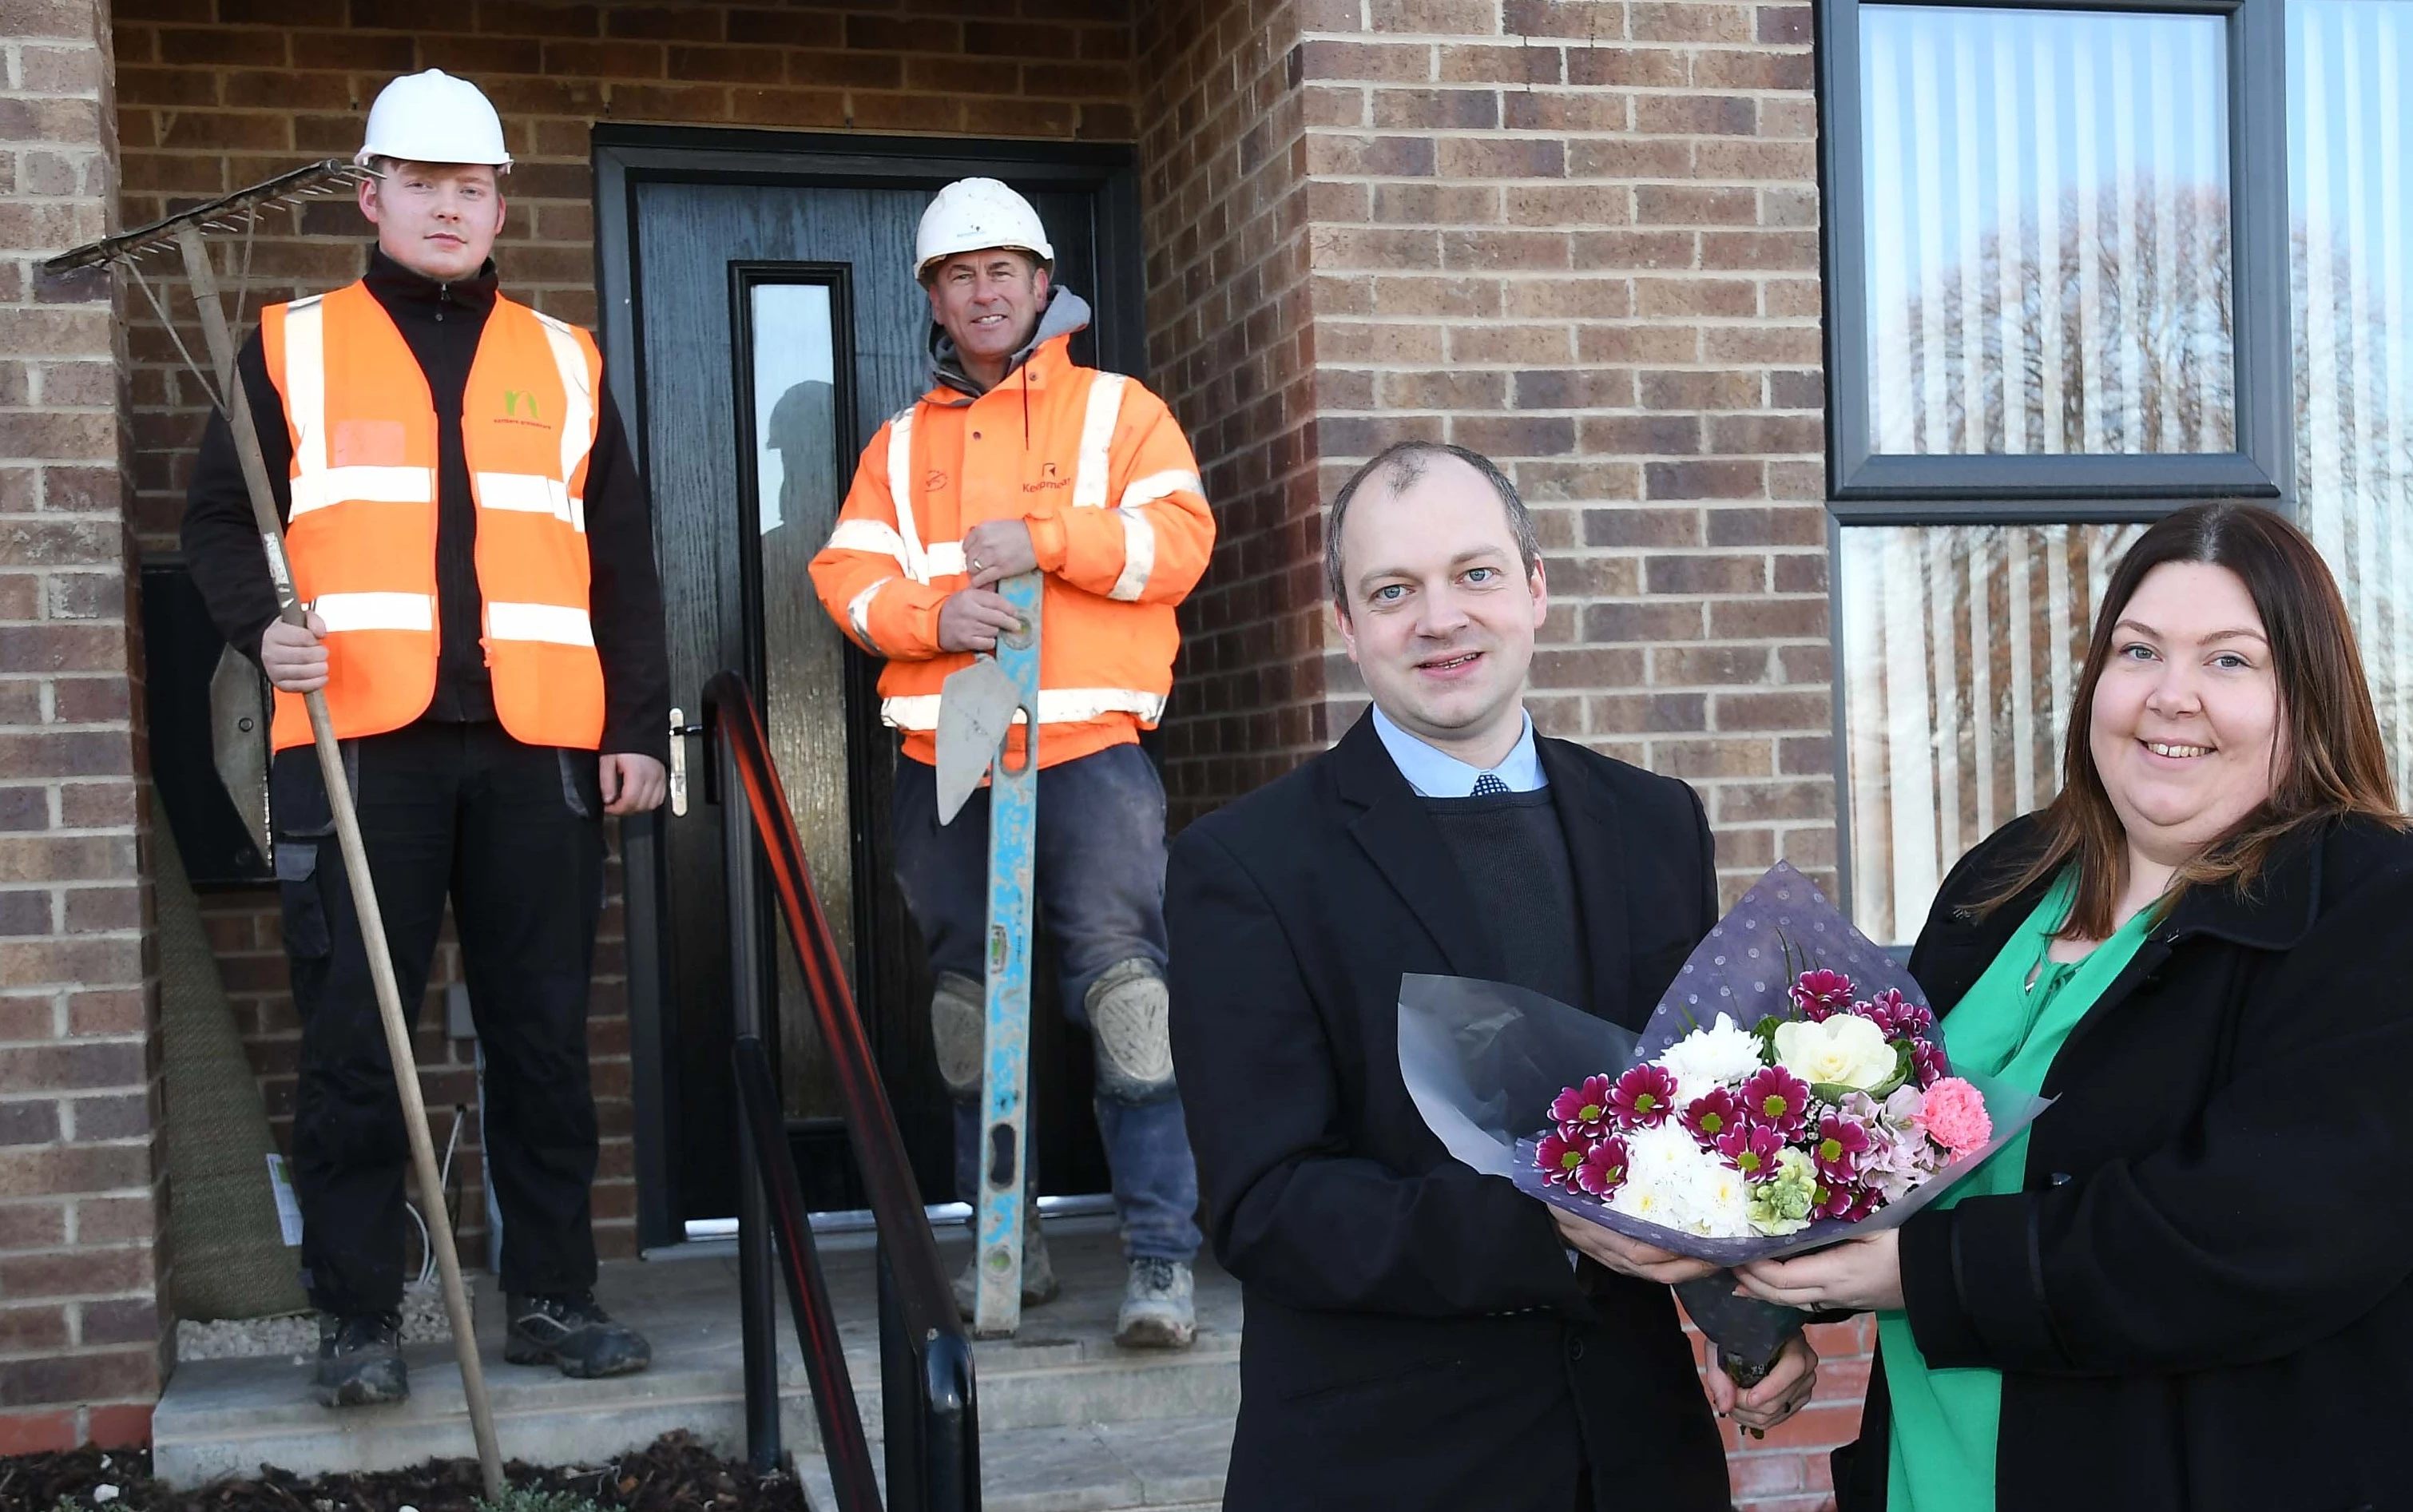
(120, 1425)
(79, 1378)
(37, 1432)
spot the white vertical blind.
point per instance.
(2350, 147)
(2048, 231)
(1961, 646)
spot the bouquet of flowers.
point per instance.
(1786, 1093)
(1730, 1132)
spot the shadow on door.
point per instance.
(760, 322)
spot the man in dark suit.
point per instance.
(1420, 1336)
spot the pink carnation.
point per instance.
(1955, 1116)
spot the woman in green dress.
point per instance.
(2186, 1284)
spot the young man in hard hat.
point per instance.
(1017, 458)
(468, 530)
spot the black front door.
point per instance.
(761, 321)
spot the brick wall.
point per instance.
(214, 95)
(1231, 347)
(1581, 237)
(82, 1194)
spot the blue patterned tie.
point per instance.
(1487, 785)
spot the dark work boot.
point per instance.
(577, 1334)
(359, 1361)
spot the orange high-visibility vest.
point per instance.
(362, 534)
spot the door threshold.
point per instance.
(707, 1238)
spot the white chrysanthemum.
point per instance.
(1720, 1055)
(1719, 1203)
(1665, 1172)
(1643, 1200)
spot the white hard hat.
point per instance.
(973, 215)
(433, 117)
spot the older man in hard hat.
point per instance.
(467, 527)
(1019, 458)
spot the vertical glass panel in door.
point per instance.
(2351, 181)
(2048, 231)
(1961, 648)
(798, 485)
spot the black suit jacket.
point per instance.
(2201, 1300)
(1416, 1337)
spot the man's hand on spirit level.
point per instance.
(995, 550)
(971, 618)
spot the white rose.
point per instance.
(1845, 1051)
(1721, 1054)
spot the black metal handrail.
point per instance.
(928, 1391)
(808, 1303)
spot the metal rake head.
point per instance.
(236, 211)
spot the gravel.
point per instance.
(296, 1334)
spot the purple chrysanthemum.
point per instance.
(1927, 1061)
(1582, 1112)
(1848, 1201)
(1560, 1158)
(1712, 1117)
(1750, 1148)
(1603, 1169)
(1777, 1098)
(1841, 1148)
(1896, 1014)
(1821, 994)
(1644, 1097)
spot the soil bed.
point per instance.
(676, 1474)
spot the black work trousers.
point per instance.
(514, 834)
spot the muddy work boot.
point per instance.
(1157, 1312)
(1039, 1282)
(359, 1361)
(574, 1333)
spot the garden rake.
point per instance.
(182, 233)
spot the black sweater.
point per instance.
(442, 323)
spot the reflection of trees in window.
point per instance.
(2351, 265)
(1961, 646)
(2354, 468)
(2122, 341)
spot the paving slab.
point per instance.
(1175, 1465)
(1062, 1378)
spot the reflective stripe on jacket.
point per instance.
(362, 533)
(1119, 520)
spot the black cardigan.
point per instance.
(2200, 1300)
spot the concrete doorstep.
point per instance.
(1070, 1421)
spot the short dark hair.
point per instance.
(1398, 466)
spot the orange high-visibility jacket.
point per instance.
(362, 534)
(1118, 519)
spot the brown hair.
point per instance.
(2332, 761)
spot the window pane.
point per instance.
(2351, 150)
(2047, 230)
(1960, 649)
(797, 493)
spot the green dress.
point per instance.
(1945, 1422)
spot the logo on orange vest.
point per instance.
(935, 482)
(512, 399)
(1050, 476)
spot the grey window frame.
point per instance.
(1865, 487)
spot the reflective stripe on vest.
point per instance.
(1056, 706)
(1092, 475)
